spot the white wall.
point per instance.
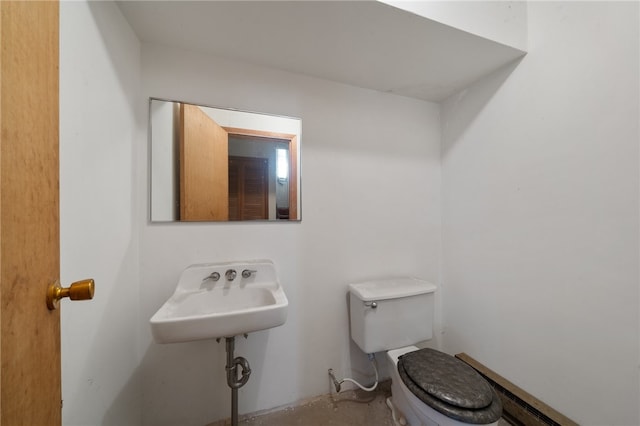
(100, 118)
(540, 214)
(357, 147)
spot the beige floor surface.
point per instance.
(349, 408)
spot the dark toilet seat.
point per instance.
(449, 386)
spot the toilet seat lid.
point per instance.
(446, 378)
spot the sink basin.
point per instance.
(205, 308)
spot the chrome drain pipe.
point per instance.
(233, 381)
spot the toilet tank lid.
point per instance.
(391, 288)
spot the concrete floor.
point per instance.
(348, 408)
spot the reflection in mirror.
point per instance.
(213, 164)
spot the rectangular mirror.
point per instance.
(212, 164)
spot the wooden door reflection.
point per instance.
(248, 188)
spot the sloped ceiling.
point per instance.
(362, 43)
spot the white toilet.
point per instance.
(428, 387)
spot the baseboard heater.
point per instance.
(519, 407)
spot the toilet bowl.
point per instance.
(415, 411)
(428, 387)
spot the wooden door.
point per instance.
(248, 188)
(30, 391)
(292, 142)
(204, 174)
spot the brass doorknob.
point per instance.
(80, 290)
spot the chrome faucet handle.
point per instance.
(248, 272)
(230, 274)
(215, 276)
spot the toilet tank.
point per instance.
(391, 313)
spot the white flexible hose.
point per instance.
(372, 359)
(372, 387)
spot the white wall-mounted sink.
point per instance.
(205, 308)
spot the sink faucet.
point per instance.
(248, 272)
(209, 281)
(230, 274)
(215, 276)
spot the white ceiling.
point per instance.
(362, 43)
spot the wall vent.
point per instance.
(519, 407)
